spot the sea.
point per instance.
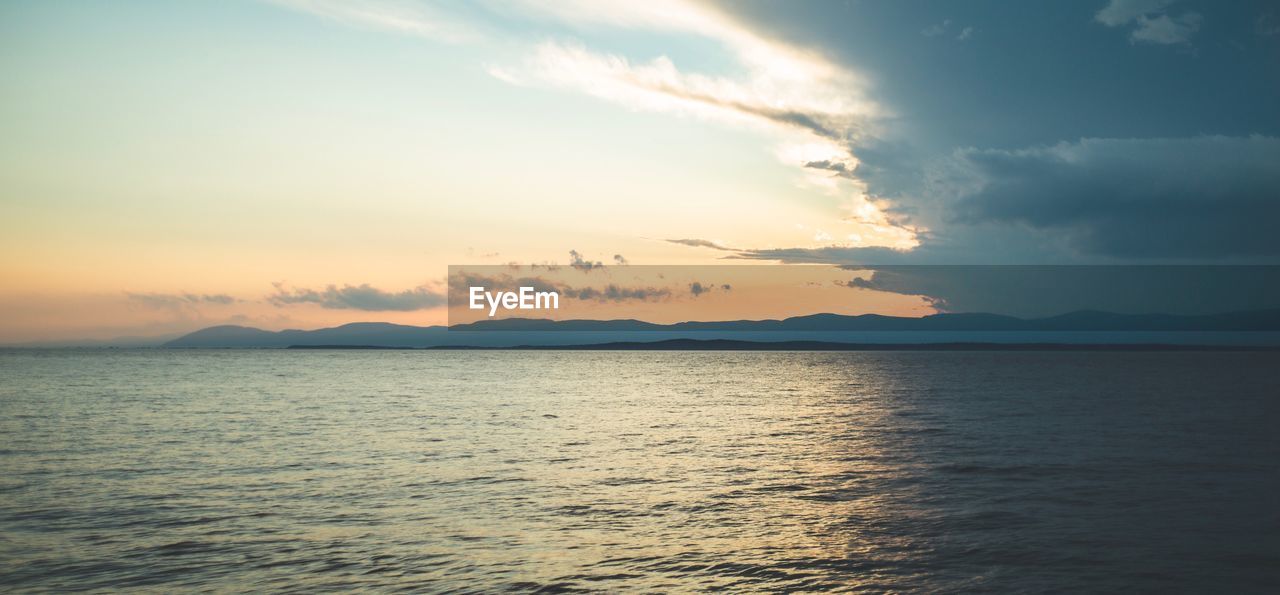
(588, 471)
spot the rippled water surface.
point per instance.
(656, 471)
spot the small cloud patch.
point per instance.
(359, 297)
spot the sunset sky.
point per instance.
(166, 166)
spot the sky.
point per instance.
(167, 166)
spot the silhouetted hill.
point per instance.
(357, 333)
(511, 332)
(229, 334)
(732, 345)
(1089, 320)
(1260, 320)
(542, 324)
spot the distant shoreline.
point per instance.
(734, 345)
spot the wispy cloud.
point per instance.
(429, 20)
(615, 293)
(1266, 25)
(460, 284)
(359, 297)
(797, 95)
(697, 243)
(179, 300)
(817, 109)
(1151, 21)
(936, 29)
(826, 255)
(944, 28)
(818, 105)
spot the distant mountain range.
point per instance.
(1104, 327)
(733, 345)
(1084, 320)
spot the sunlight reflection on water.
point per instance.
(250, 470)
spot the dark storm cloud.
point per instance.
(1182, 89)
(1042, 72)
(1035, 291)
(1196, 197)
(359, 297)
(1094, 201)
